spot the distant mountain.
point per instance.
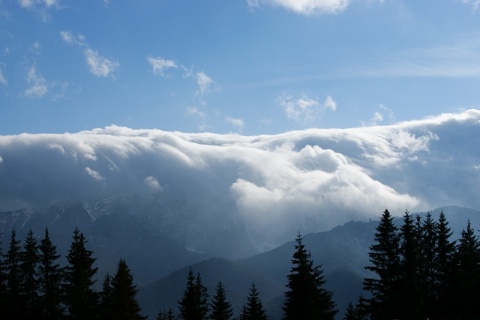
(112, 233)
(342, 252)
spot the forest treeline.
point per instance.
(417, 272)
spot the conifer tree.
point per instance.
(80, 297)
(350, 313)
(427, 246)
(50, 279)
(253, 309)
(124, 305)
(166, 315)
(467, 275)
(105, 302)
(306, 298)
(194, 303)
(12, 269)
(444, 266)
(29, 286)
(384, 256)
(410, 282)
(221, 307)
(3, 293)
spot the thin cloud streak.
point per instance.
(455, 60)
(98, 65)
(159, 65)
(306, 7)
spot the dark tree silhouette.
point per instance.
(306, 298)
(351, 313)
(124, 305)
(253, 309)
(427, 247)
(12, 269)
(466, 287)
(105, 300)
(410, 282)
(166, 315)
(50, 281)
(384, 256)
(221, 307)
(3, 293)
(444, 266)
(80, 297)
(194, 303)
(29, 285)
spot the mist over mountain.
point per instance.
(258, 189)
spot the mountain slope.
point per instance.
(342, 252)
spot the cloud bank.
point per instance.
(306, 180)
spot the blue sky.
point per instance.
(243, 66)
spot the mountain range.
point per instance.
(160, 263)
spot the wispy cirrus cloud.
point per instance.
(94, 174)
(71, 38)
(3, 80)
(38, 3)
(304, 6)
(379, 116)
(98, 65)
(204, 83)
(159, 65)
(236, 122)
(40, 7)
(38, 85)
(458, 59)
(305, 109)
(474, 3)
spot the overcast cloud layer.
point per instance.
(272, 181)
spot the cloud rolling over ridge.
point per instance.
(306, 180)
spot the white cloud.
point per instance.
(302, 109)
(3, 80)
(40, 7)
(70, 38)
(330, 103)
(99, 65)
(305, 109)
(237, 123)
(380, 115)
(94, 174)
(38, 3)
(38, 85)
(474, 3)
(307, 180)
(204, 83)
(153, 183)
(305, 6)
(160, 65)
